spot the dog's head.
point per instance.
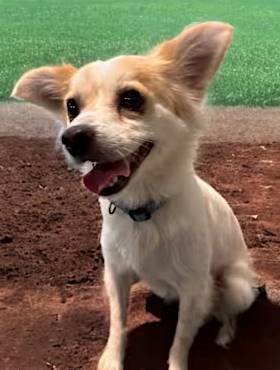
(131, 115)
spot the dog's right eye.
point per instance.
(131, 100)
(72, 109)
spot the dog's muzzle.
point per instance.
(109, 173)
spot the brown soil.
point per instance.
(52, 312)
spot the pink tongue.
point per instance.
(101, 175)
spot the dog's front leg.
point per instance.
(194, 305)
(117, 284)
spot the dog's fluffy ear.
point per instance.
(45, 86)
(193, 57)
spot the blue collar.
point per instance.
(140, 214)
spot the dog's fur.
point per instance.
(192, 249)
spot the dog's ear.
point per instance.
(193, 57)
(45, 86)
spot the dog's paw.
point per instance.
(110, 360)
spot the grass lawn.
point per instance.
(38, 32)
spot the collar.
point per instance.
(140, 214)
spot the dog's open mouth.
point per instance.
(108, 178)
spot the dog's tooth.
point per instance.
(113, 181)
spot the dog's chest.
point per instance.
(158, 270)
(153, 264)
(150, 252)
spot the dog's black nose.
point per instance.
(77, 139)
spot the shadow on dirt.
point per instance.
(256, 346)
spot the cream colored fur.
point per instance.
(192, 250)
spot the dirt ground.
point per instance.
(52, 311)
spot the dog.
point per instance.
(132, 127)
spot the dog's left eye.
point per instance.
(131, 100)
(72, 109)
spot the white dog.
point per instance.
(133, 129)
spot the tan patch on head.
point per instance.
(150, 71)
(85, 85)
(99, 83)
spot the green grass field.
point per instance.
(39, 32)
